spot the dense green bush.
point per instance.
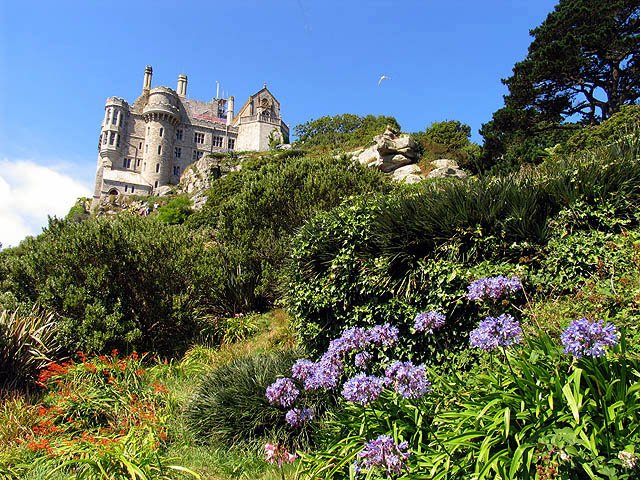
(619, 125)
(449, 139)
(128, 283)
(385, 258)
(175, 211)
(342, 131)
(256, 211)
(230, 408)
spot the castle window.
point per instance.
(197, 155)
(159, 149)
(198, 137)
(126, 163)
(125, 188)
(148, 130)
(120, 121)
(104, 138)
(156, 184)
(117, 140)
(179, 134)
(161, 131)
(140, 146)
(176, 170)
(115, 118)
(112, 137)
(217, 141)
(108, 116)
(146, 148)
(132, 189)
(157, 167)
(138, 163)
(232, 143)
(178, 152)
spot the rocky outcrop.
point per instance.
(196, 180)
(444, 168)
(408, 174)
(389, 152)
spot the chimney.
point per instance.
(230, 110)
(182, 85)
(148, 71)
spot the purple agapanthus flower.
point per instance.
(325, 373)
(501, 331)
(282, 392)
(352, 339)
(586, 337)
(302, 369)
(493, 287)
(428, 321)
(383, 453)
(296, 417)
(383, 335)
(362, 359)
(363, 389)
(408, 380)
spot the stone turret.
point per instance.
(161, 115)
(230, 107)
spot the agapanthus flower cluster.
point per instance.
(296, 417)
(383, 453)
(302, 369)
(493, 287)
(428, 321)
(363, 389)
(494, 332)
(282, 392)
(362, 359)
(278, 454)
(383, 335)
(585, 337)
(408, 380)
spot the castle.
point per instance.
(147, 145)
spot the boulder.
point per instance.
(447, 172)
(407, 174)
(388, 152)
(445, 163)
(393, 161)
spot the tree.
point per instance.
(582, 65)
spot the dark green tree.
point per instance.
(582, 66)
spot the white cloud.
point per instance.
(29, 193)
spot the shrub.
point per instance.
(342, 131)
(256, 211)
(175, 211)
(27, 343)
(383, 259)
(130, 283)
(230, 409)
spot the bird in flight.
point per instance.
(383, 78)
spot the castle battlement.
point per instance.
(150, 143)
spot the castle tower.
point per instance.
(112, 138)
(161, 116)
(146, 83)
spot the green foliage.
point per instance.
(175, 211)
(27, 343)
(619, 125)
(230, 408)
(342, 131)
(448, 139)
(79, 211)
(130, 283)
(578, 65)
(384, 259)
(256, 211)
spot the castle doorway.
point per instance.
(114, 192)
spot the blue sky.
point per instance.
(60, 60)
